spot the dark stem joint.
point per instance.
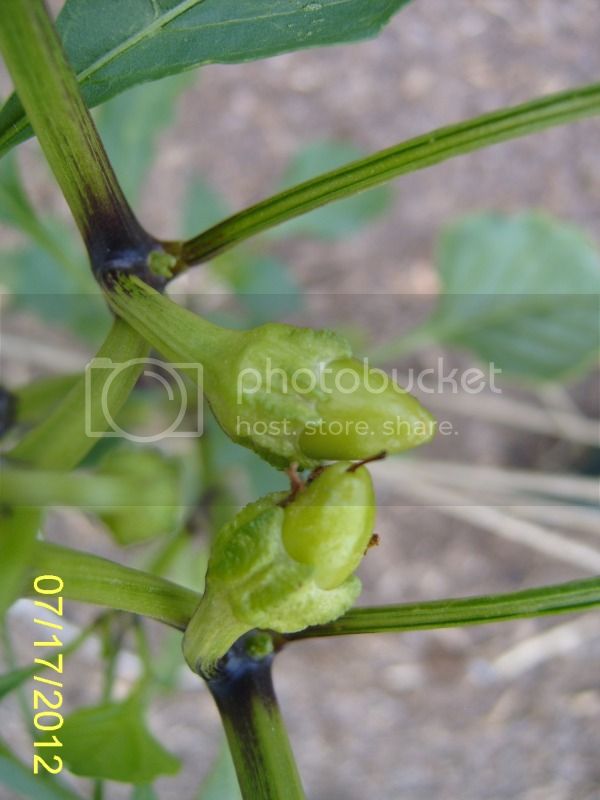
(134, 262)
(8, 410)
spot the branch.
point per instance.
(244, 694)
(48, 89)
(91, 579)
(562, 598)
(414, 154)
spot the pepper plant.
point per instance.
(282, 568)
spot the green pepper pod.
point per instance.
(290, 394)
(284, 562)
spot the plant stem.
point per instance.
(50, 95)
(33, 488)
(91, 579)
(557, 599)
(414, 154)
(259, 744)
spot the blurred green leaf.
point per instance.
(188, 567)
(35, 400)
(111, 742)
(522, 291)
(143, 520)
(337, 219)
(221, 783)
(15, 208)
(167, 664)
(39, 283)
(264, 286)
(50, 275)
(10, 681)
(19, 778)
(246, 474)
(130, 124)
(18, 530)
(112, 46)
(144, 792)
(254, 278)
(52, 236)
(202, 207)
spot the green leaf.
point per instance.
(18, 529)
(338, 219)
(221, 783)
(130, 124)
(111, 742)
(562, 598)
(19, 778)
(418, 153)
(112, 47)
(521, 291)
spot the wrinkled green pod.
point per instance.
(291, 394)
(284, 562)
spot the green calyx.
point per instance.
(285, 562)
(290, 394)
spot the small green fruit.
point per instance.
(364, 414)
(284, 562)
(330, 523)
(291, 394)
